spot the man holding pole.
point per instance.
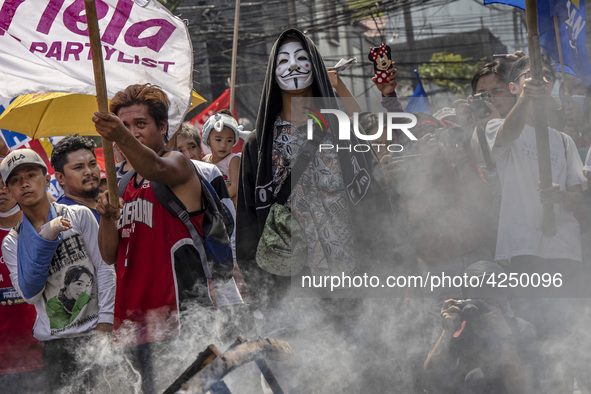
(514, 147)
(158, 268)
(521, 239)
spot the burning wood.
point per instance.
(233, 358)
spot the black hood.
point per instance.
(361, 172)
(271, 103)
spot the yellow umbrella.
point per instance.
(41, 115)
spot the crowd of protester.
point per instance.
(194, 230)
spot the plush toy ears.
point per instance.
(376, 52)
(217, 122)
(218, 125)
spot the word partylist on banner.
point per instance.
(44, 47)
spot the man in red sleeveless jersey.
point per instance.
(151, 246)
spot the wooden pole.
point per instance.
(560, 58)
(101, 96)
(234, 57)
(273, 349)
(539, 111)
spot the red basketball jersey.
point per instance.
(154, 245)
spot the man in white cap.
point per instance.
(55, 264)
(21, 364)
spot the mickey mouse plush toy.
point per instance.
(382, 61)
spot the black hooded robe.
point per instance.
(370, 215)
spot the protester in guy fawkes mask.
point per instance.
(339, 199)
(337, 224)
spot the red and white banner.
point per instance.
(44, 48)
(222, 102)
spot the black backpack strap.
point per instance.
(173, 205)
(490, 166)
(124, 181)
(564, 143)
(217, 207)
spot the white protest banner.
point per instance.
(44, 48)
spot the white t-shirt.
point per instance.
(587, 166)
(520, 222)
(78, 248)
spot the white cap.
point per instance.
(18, 158)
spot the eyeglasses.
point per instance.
(548, 76)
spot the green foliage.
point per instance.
(170, 4)
(451, 72)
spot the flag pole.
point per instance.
(560, 58)
(234, 56)
(101, 96)
(539, 111)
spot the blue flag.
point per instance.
(514, 3)
(418, 101)
(571, 24)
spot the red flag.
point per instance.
(222, 102)
(40, 150)
(100, 157)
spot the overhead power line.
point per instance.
(260, 23)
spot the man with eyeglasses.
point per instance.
(490, 99)
(520, 239)
(491, 82)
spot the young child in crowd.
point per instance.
(220, 134)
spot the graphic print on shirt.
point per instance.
(71, 290)
(136, 211)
